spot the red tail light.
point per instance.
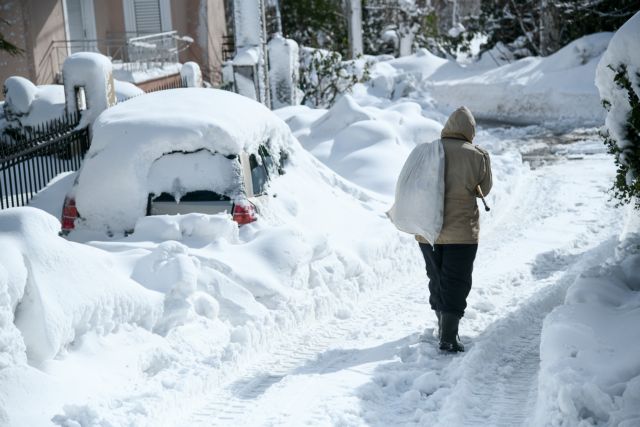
(69, 214)
(244, 213)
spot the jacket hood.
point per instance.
(460, 125)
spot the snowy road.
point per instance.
(371, 369)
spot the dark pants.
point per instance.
(449, 269)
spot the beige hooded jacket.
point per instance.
(466, 166)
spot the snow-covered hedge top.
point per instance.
(623, 50)
(114, 181)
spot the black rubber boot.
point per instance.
(449, 340)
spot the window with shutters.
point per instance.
(147, 16)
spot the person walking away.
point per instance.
(449, 262)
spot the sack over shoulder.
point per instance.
(419, 200)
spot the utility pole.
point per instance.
(354, 25)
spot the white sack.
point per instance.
(419, 203)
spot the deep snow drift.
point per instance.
(139, 330)
(590, 370)
(557, 88)
(216, 293)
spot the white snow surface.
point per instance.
(622, 51)
(115, 179)
(32, 105)
(45, 283)
(19, 94)
(311, 315)
(366, 144)
(590, 370)
(227, 293)
(556, 88)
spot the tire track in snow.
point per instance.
(498, 385)
(233, 401)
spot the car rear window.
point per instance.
(193, 196)
(199, 175)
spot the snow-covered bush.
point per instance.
(324, 76)
(618, 80)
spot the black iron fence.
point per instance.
(31, 157)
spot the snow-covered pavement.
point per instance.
(372, 369)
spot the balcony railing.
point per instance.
(130, 54)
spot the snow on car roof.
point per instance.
(115, 179)
(187, 119)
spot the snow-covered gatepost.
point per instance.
(250, 76)
(191, 74)
(284, 72)
(88, 85)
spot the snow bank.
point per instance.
(126, 90)
(112, 193)
(590, 370)
(622, 51)
(366, 145)
(19, 94)
(530, 90)
(30, 105)
(60, 290)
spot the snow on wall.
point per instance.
(59, 289)
(284, 69)
(622, 51)
(94, 73)
(112, 193)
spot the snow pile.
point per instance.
(60, 290)
(112, 193)
(590, 370)
(622, 52)
(366, 145)
(19, 94)
(126, 90)
(318, 248)
(30, 105)
(530, 90)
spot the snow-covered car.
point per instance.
(176, 152)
